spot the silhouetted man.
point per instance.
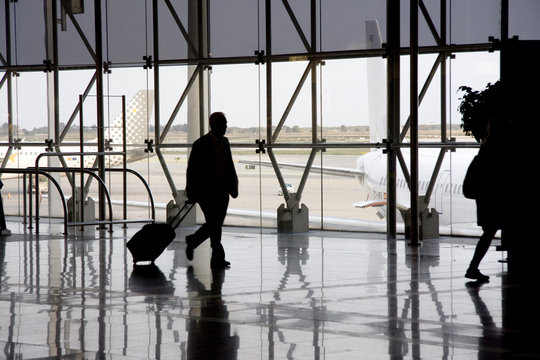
(211, 178)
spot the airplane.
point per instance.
(457, 214)
(138, 111)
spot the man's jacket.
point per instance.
(210, 169)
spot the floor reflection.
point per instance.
(148, 279)
(318, 295)
(491, 334)
(293, 254)
(209, 330)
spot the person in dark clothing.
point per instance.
(211, 179)
(490, 209)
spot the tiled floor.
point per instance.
(321, 295)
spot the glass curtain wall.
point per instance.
(25, 124)
(304, 86)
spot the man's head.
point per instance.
(218, 124)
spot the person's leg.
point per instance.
(218, 217)
(202, 233)
(199, 236)
(483, 246)
(481, 249)
(214, 210)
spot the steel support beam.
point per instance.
(320, 56)
(311, 69)
(53, 94)
(8, 78)
(504, 19)
(99, 104)
(393, 111)
(414, 234)
(444, 74)
(196, 94)
(268, 38)
(158, 135)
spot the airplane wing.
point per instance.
(346, 172)
(369, 203)
(377, 201)
(314, 220)
(461, 229)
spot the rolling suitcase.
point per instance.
(149, 242)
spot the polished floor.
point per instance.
(320, 295)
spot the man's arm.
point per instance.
(233, 177)
(191, 173)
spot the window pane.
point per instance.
(475, 21)
(172, 43)
(343, 23)
(71, 43)
(523, 19)
(128, 34)
(234, 27)
(286, 38)
(27, 20)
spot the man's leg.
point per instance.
(215, 219)
(214, 210)
(199, 236)
(202, 233)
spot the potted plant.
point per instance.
(477, 107)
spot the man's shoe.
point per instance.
(475, 274)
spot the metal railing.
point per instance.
(28, 204)
(29, 173)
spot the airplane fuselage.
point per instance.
(447, 196)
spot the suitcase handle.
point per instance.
(177, 220)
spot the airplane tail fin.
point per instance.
(138, 112)
(376, 77)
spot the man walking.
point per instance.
(211, 178)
